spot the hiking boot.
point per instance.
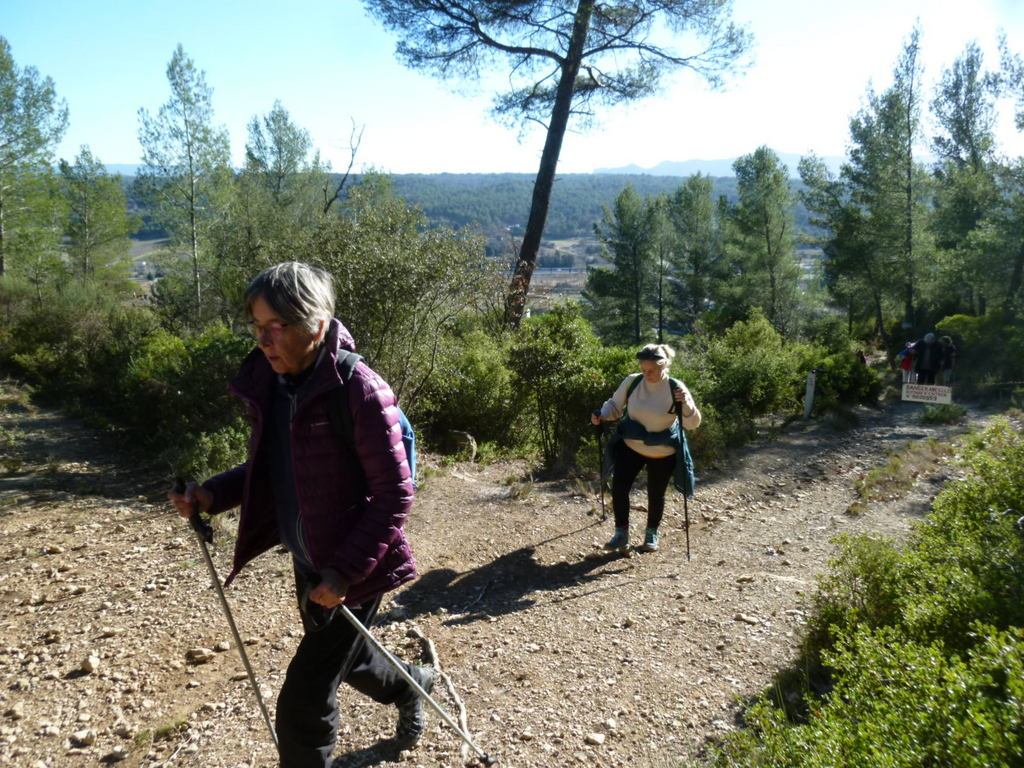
(619, 542)
(412, 720)
(651, 539)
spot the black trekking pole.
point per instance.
(204, 535)
(686, 506)
(599, 430)
(482, 756)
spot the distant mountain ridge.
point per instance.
(717, 168)
(721, 168)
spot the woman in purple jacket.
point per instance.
(339, 508)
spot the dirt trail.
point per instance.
(562, 656)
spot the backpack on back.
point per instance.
(341, 416)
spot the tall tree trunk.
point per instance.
(661, 298)
(880, 323)
(515, 302)
(1016, 278)
(3, 240)
(637, 295)
(195, 245)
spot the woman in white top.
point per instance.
(650, 438)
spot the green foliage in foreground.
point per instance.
(943, 413)
(922, 646)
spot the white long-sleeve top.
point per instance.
(651, 405)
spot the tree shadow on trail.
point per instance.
(502, 586)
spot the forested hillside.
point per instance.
(502, 200)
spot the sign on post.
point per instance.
(927, 393)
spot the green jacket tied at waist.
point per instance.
(683, 477)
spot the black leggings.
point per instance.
(628, 464)
(329, 654)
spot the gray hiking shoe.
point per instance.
(412, 720)
(651, 540)
(619, 542)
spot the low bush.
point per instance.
(902, 704)
(943, 413)
(990, 352)
(471, 391)
(920, 648)
(560, 365)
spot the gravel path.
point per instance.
(563, 656)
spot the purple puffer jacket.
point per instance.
(351, 526)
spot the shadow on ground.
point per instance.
(503, 586)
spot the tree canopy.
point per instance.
(563, 60)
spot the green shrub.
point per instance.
(921, 646)
(990, 351)
(861, 587)
(841, 378)
(559, 364)
(943, 413)
(471, 391)
(900, 704)
(751, 365)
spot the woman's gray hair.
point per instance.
(661, 354)
(298, 293)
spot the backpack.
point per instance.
(341, 416)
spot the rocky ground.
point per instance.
(113, 648)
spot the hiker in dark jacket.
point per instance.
(338, 506)
(927, 359)
(650, 438)
(949, 353)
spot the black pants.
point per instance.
(926, 377)
(331, 652)
(628, 464)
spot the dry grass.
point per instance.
(898, 474)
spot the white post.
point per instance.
(809, 394)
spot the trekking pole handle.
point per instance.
(200, 526)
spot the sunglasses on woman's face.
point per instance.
(274, 329)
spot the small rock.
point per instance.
(124, 730)
(91, 663)
(116, 755)
(222, 646)
(199, 655)
(746, 579)
(597, 739)
(16, 712)
(83, 738)
(747, 619)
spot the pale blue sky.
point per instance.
(330, 64)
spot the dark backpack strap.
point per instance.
(338, 411)
(674, 386)
(629, 393)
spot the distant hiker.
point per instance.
(928, 358)
(949, 353)
(906, 356)
(338, 506)
(648, 435)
